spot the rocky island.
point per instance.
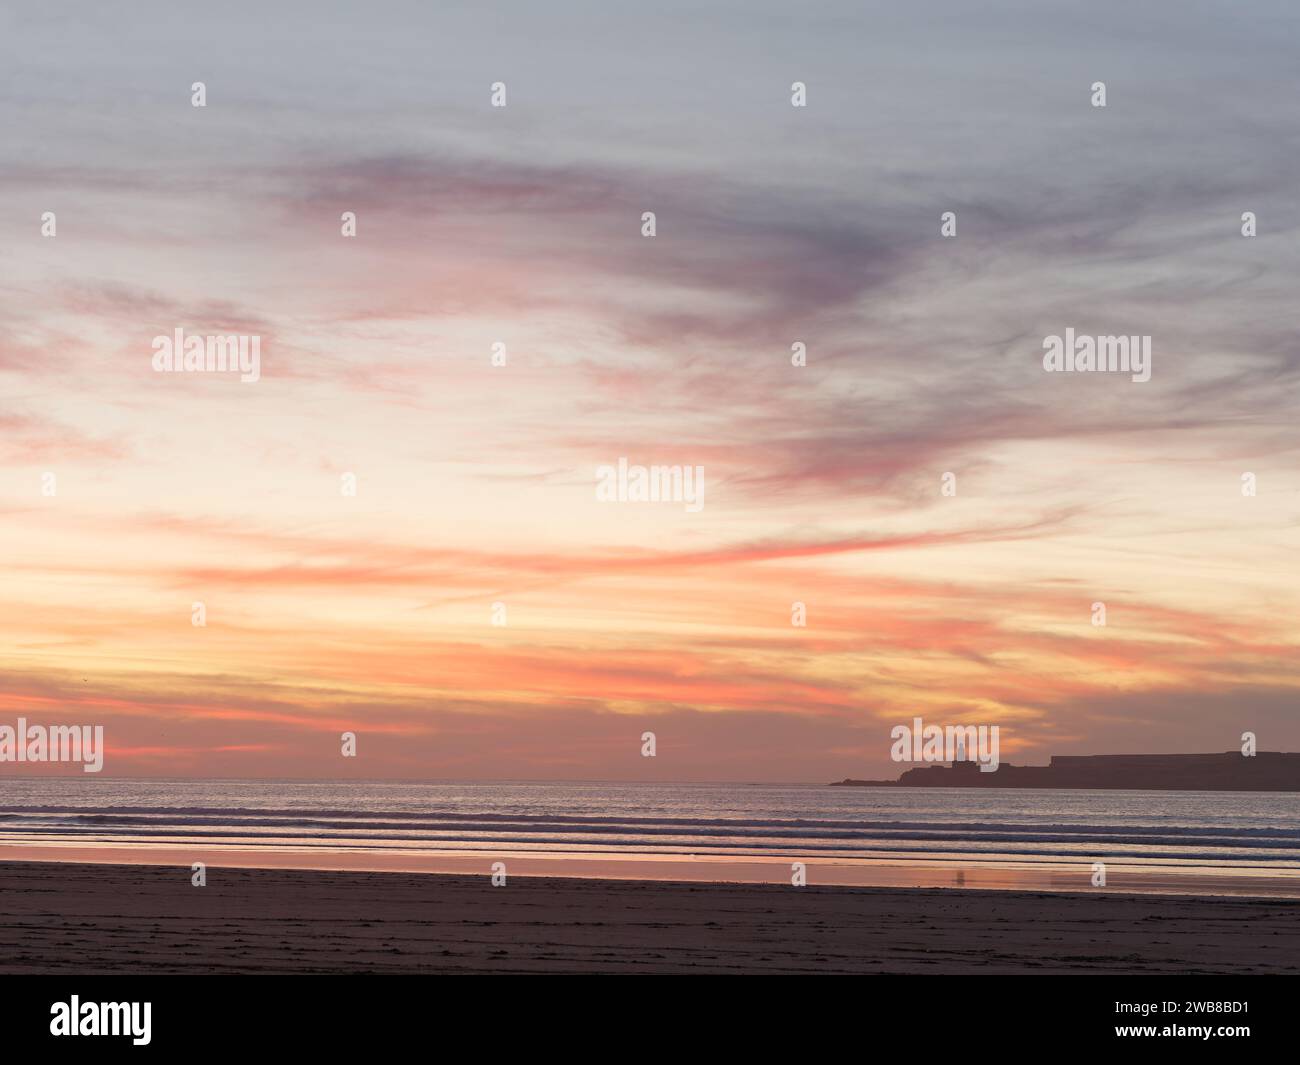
(1231, 771)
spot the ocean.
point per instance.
(1193, 841)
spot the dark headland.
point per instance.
(1264, 771)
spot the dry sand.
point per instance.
(73, 918)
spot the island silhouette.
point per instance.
(1230, 771)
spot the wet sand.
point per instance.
(899, 871)
(77, 918)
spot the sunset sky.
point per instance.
(476, 484)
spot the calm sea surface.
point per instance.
(1215, 832)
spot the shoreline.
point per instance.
(893, 871)
(77, 918)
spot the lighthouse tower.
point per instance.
(960, 760)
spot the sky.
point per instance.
(522, 226)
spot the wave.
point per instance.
(678, 835)
(1261, 832)
(400, 819)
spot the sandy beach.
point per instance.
(79, 918)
